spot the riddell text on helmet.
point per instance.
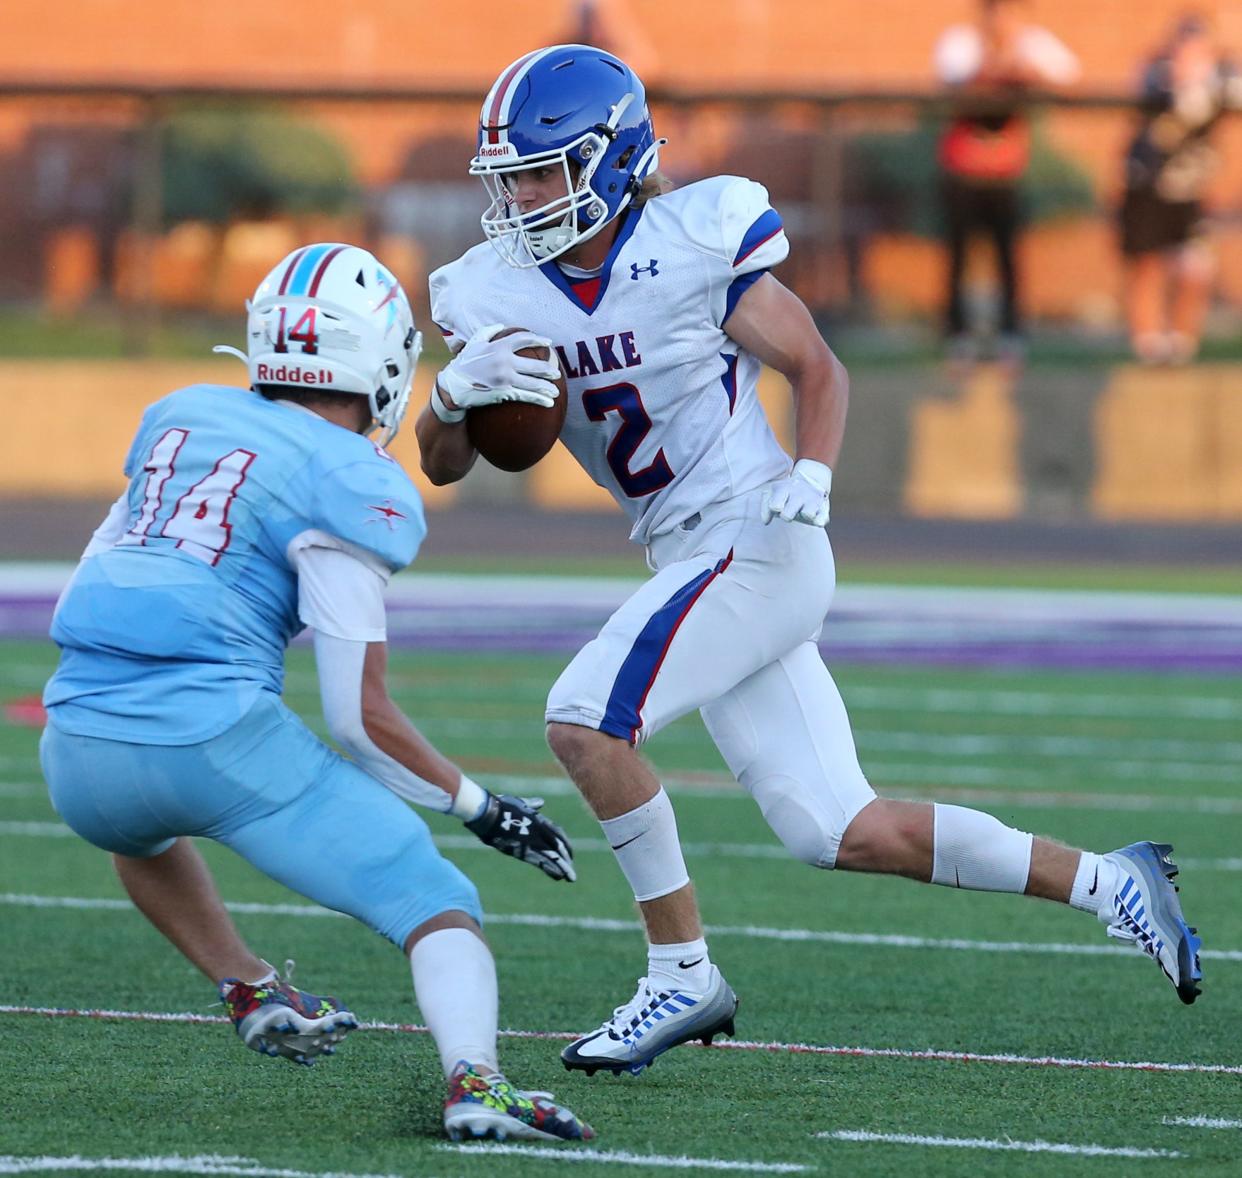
(283, 374)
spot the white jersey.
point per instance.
(663, 411)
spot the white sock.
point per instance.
(1095, 883)
(455, 984)
(682, 966)
(976, 851)
(646, 845)
(270, 976)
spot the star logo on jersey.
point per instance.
(636, 269)
(388, 514)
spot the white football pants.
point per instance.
(729, 624)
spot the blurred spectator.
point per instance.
(1185, 88)
(610, 25)
(989, 66)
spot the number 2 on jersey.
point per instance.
(625, 401)
(200, 518)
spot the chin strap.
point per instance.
(227, 350)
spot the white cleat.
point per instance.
(652, 1022)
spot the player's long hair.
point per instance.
(657, 184)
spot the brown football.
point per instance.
(514, 435)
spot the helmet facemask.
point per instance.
(390, 394)
(546, 232)
(529, 239)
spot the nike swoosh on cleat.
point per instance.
(1094, 883)
(627, 842)
(688, 964)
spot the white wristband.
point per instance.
(442, 411)
(470, 800)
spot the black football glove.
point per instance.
(515, 827)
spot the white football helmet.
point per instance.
(332, 317)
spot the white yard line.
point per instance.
(928, 1055)
(466, 842)
(1091, 1151)
(1041, 703)
(918, 781)
(197, 1164)
(945, 782)
(1065, 747)
(43, 830)
(1179, 773)
(1203, 1122)
(22, 789)
(609, 925)
(1061, 747)
(864, 698)
(612, 1157)
(859, 698)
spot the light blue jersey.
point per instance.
(170, 637)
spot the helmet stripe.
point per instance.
(498, 103)
(293, 262)
(306, 267)
(496, 99)
(323, 266)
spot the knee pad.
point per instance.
(807, 830)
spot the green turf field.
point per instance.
(819, 960)
(1004, 572)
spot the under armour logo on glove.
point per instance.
(514, 826)
(521, 825)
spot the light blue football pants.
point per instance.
(272, 791)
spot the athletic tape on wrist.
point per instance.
(442, 411)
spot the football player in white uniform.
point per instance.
(661, 308)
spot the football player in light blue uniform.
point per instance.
(250, 514)
(661, 307)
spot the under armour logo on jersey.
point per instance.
(521, 825)
(636, 269)
(388, 514)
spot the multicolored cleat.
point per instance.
(484, 1104)
(1145, 910)
(652, 1022)
(276, 1018)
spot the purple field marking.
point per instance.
(1005, 633)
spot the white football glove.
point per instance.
(488, 370)
(802, 496)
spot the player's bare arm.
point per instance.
(365, 722)
(487, 369)
(445, 450)
(498, 821)
(773, 324)
(392, 731)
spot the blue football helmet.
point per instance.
(573, 107)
